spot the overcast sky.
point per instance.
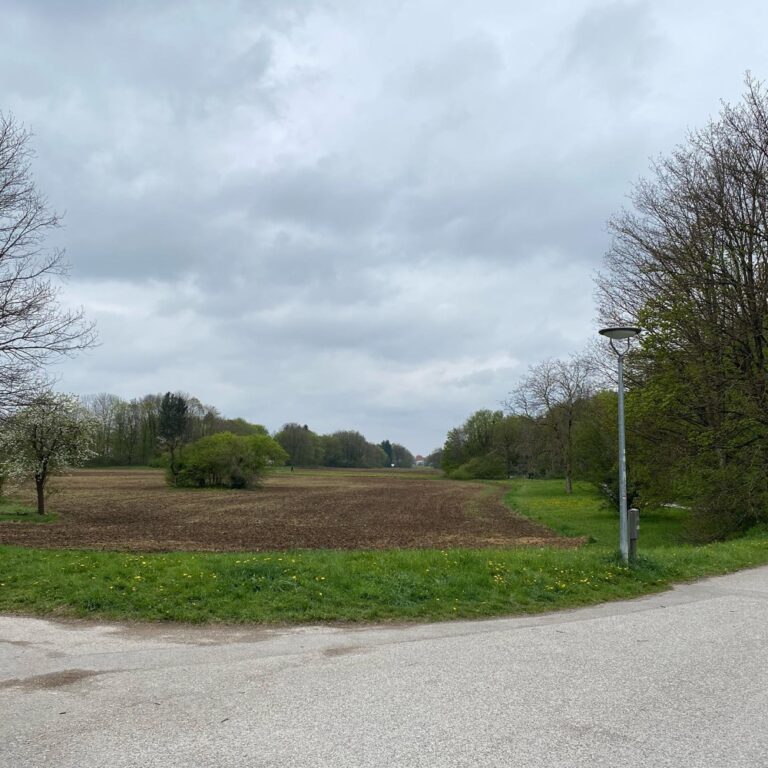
(354, 215)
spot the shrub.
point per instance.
(226, 460)
(488, 467)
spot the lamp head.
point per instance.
(617, 334)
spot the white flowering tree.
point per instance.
(52, 434)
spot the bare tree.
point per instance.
(103, 407)
(552, 393)
(34, 328)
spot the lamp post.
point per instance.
(623, 334)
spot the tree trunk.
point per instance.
(40, 485)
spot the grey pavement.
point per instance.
(678, 679)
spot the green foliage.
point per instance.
(172, 421)
(226, 460)
(495, 445)
(240, 426)
(487, 467)
(475, 438)
(401, 456)
(172, 427)
(136, 432)
(348, 448)
(302, 445)
(689, 264)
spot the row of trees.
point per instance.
(141, 431)
(346, 448)
(557, 422)
(137, 431)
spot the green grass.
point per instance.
(317, 585)
(13, 511)
(584, 513)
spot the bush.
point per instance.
(226, 460)
(488, 467)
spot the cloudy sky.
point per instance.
(356, 215)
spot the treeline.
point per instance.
(346, 448)
(556, 423)
(128, 432)
(136, 433)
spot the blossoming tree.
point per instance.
(52, 434)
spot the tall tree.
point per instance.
(172, 426)
(300, 443)
(104, 408)
(689, 263)
(34, 329)
(401, 456)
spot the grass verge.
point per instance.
(317, 585)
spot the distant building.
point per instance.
(419, 461)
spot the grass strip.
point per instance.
(312, 586)
(331, 585)
(15, 512)
(584, 513)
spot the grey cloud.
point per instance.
(354, 215)
(463, 64)
(614, 44)
(321, 197)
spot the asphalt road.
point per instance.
(678, 679)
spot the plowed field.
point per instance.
(135, 510)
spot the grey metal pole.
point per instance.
(623, 527)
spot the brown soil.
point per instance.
(135, 510)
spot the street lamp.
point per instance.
(623, 334)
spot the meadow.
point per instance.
(573, 563)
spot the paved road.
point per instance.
(679, 679)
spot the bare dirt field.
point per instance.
(133, 509)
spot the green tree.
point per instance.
(435, 459)
(172, 427)
(346, 448)
(401, 456)
(301, 444)
(689, 264)
(472, 449)
(52, 434)
(238, 426)
(226, 460)
(454, 452)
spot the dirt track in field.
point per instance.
(135, 510)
